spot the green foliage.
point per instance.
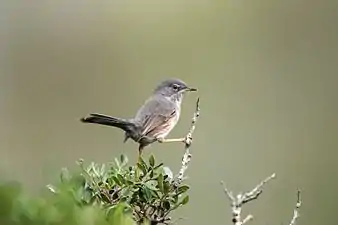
(107, 194)
(57, 209)
(147, 189)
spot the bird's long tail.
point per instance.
(110, 121)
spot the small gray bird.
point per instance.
(156, 117)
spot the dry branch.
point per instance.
(295, 211)
(237, 202)
(188, 141)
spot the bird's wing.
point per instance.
(155, 115)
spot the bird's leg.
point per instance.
(139, 157)
(140, 150)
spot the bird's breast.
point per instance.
(164, 129)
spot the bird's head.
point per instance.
(173, 88)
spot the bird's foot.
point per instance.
(188, 139)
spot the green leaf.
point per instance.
(121, 178)
(143, 163)
(160, 182)
(152, 161)
(146, 194)
(166, 187)
(156, 194)
(151, 184)
(117, 181)
(182, 189)
(142, 167)
(158, 166)
(185, 200)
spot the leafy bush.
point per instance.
(113, 193)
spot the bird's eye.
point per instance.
(175, 87)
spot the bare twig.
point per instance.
(295, 211)
(238, 201)
(257, 191)
(188, 141)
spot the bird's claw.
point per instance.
(188, 140)
(160, 140)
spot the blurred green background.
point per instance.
(267, 78)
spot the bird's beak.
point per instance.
(191, 89)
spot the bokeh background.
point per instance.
(267, 78)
